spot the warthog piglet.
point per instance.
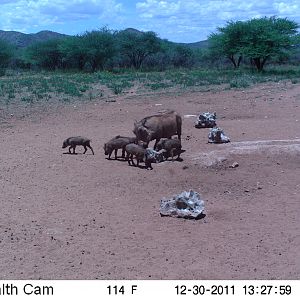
(118, 142)
(137, 151)
(77, 141)
(172, 147)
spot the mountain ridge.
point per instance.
(22, 40)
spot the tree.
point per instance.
(136, 46)
(99, 46)
(268, 37)
(258, 39)
(73, 53)
(6, 53)
(228, 42)
(182, 56)
(45, 54)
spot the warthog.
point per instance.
(118, 142)
(172, 147)
(77, 141)
(137, 151)
(163, 125)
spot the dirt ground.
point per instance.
(85, 217)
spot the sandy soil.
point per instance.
(85, 217)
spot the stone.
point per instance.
(154, 156)
(186, 205)
(206, 120)
(234, 165)
(217, 136)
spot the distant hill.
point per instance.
(23, 40)
(133, 30)
(198, 45)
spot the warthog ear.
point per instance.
(134, 127)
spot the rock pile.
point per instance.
(217, 136)
(187, 205)
(206, 120)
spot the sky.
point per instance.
(176, 20)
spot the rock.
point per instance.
(234, 165)
(154, 156)
(185, 205)
(217, 136)
(206, 120)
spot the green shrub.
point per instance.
(241, 82)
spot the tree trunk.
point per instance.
(258, 63)
(264, 61)
(231, 57)
(239, 61)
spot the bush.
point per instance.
(241, 82)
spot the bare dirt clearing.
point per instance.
(85, 217)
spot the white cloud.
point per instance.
(192, 17)
(288, 8)
(163, 8)
(50, 12)
(177, 20)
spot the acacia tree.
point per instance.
(268, 37)
(228, 42)
(136, 46)
(258, 39)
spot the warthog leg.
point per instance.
(91, 149)
(74, 146)
(85, 149)
(156, 141)
(129, 158)
(123, 152)
(174, 152)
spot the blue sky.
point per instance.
(175, 20)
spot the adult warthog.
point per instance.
(155, 127)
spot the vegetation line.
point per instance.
(103, 62)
